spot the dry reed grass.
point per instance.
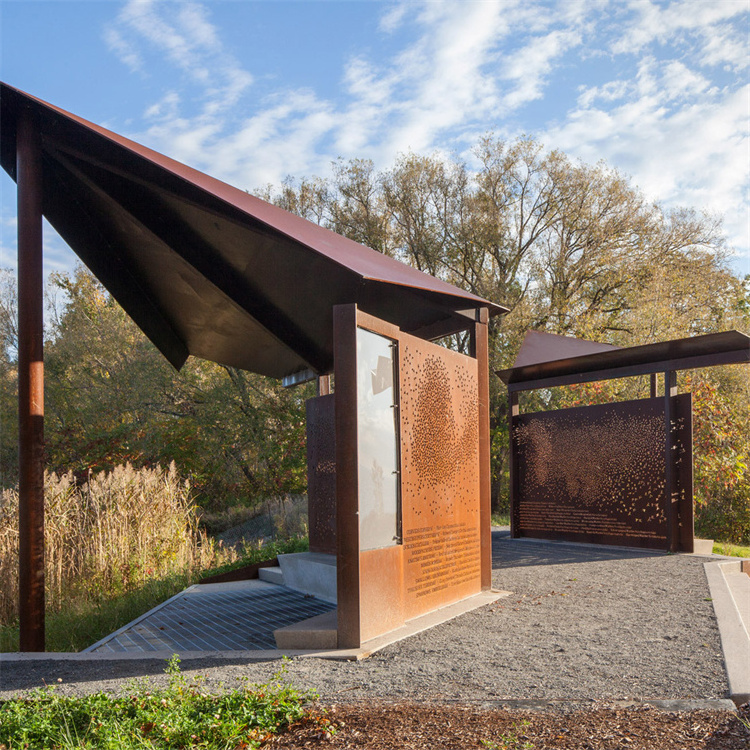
(108, 536)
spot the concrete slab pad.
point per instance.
(703, 546)
(319, 632)
(272, 575)
(735, 641)
(311, 573)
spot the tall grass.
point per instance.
(118, 533)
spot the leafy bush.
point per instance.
(182, 715)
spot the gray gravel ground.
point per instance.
(583, 624)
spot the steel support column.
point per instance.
(513, 412)
(671, 508)
(30, 385)
(347, 481)
(480, 347)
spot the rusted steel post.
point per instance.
(513, 412)
(347, 481)
(30, 385)
(480, 345)
(670, 391)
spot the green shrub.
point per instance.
(182, 715)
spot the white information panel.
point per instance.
(378, 441)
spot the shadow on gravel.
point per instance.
(520, 553)
(26, 675)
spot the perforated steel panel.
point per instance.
(440, 475)
(321, 474)
(597, 473)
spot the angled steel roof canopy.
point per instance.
(206, 269)
(569, 365)
(538, 347)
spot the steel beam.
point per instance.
(30, 385)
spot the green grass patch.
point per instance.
(732, 550)
(85, 620)
(182, 715)
(260, 552)
(501, 519)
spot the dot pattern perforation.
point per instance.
(599, 471)
(321, 474)
(440, 475)
(440, 431)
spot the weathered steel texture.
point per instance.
(727, 347)
(440, 558)
(513, 413)
(206, 269)
(538, 347)
(321, 474)
(441, 484)
(382, 591)
(480, 351)
(670, 468)
(30, 385)
(682, 426)
(347, 483)
(597, 473)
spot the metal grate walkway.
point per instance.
(216, 617)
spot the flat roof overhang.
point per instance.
(206, 269)
(728, 347)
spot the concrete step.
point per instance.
(739, 585)
(272, 575)
(311, 573)
(316, 633)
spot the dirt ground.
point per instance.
(404, 726)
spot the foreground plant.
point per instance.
(182, 715)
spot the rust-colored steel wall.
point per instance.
(439, 559)
(321, 474)
(440, 482)
(597, 473)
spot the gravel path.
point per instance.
(583, 624)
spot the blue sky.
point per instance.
(253, 91)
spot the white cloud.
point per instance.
(663, 22)
(394, 17)
(658, 92)
(184, 34)
(125, 51)
(529, 68)
(695, 154)
(726, 45)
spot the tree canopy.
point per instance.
(571, 248)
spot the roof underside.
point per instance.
(728, 347)
(206, 269)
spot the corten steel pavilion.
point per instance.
(618, 473)
(205, 269)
